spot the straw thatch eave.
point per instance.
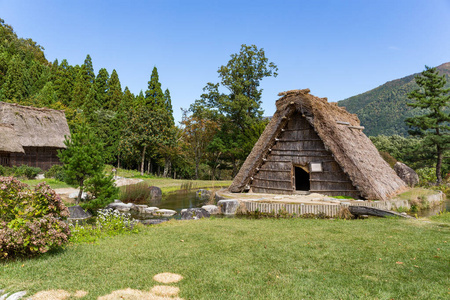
(9, 141)
(35, 127)
(341, 134)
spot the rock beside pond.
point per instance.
(194, 214)
(408, 175)
(212, 209)
(228, 206)
(78, 213)
(203, 194)
(122, 207)
(150, 210)
(155, 193)
(217, 197)
(164, 212)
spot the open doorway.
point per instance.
(301, 179)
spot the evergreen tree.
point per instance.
(82, 158)
(14, 87)
(114, 93)
(154, 97)
(434, 124)
(83, 82)
(90, 108)
(101, 86)
(64, 82)
(168, 107)
(89, 69)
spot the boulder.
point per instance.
(203, 194)
(155, 193)
(408, 175)
(217, 197)
(78, 213)
(122, 207)
(164, 213)
(212, 209)
(150, 210)
(75, 195)
(194, 214)
(228, 206)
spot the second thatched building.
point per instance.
(311, 145)
(31, 136)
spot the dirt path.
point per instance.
(65, 192)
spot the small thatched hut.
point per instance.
(31, 136)
(311, 145)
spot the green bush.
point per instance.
(25, 172)
(427, 176)
(56, 171)
(102, 190)
(30, 220)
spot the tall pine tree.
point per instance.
(154, 97)
(114, 93)
(434, 124)
(101, 86)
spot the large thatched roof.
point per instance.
(341, 134)
(32, 127)
(8, 138)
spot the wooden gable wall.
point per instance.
(297, 146)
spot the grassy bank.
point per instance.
(255, 259)
(168, 185)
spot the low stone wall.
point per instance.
(330, 209)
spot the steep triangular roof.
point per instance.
(341, 134)
(35, 127)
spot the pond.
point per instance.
(188, 199)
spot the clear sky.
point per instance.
(336, 48)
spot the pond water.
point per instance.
(434, 210)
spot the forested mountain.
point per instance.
(383, 110)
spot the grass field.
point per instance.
(256, 259)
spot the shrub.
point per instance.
(25, 172)
(427, 176)
(102, 190)
(31, 220)
(56, 171)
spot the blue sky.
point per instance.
(336, 48)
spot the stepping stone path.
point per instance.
(158, 292)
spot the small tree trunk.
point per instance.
(118, 161)
(148, 166)
(439, 165)
(175, 174)
(80, 193)
(167, 165)
(143, 161)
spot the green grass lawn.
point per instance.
(255, 259)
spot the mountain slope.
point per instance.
(383, 110)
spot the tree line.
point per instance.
(138, 131)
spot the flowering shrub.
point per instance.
(109, 222)
(30, 220)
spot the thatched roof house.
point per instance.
(311, 145)
(30, 135)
